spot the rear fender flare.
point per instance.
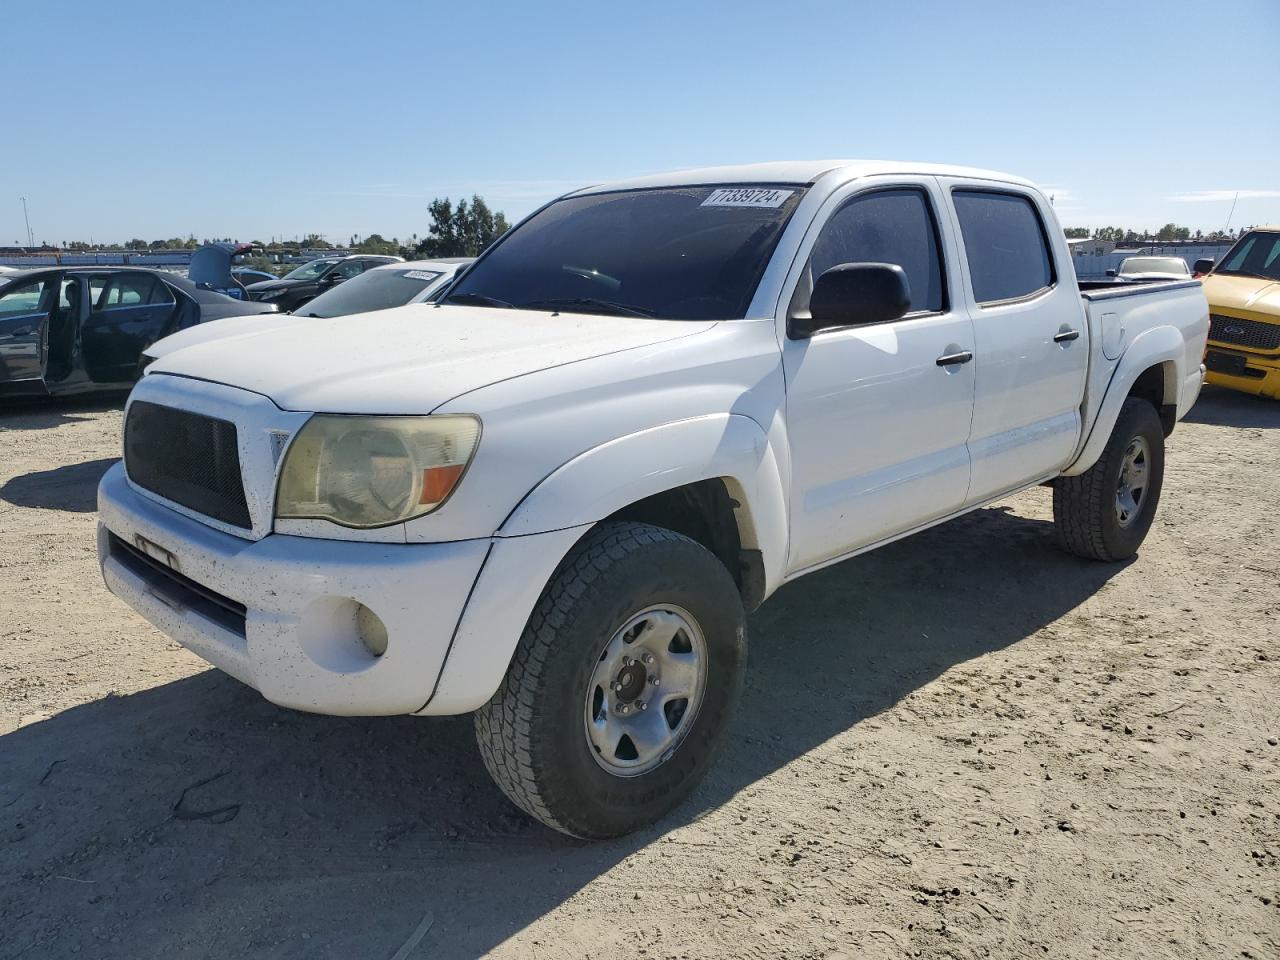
(1159, 346)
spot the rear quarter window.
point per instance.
(1004, 243)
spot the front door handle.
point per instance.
(951, 359)
(1066, 336)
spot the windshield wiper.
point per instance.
(591, 303)
(479, 299)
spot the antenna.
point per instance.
(31, 240)
(1232, 213)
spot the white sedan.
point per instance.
(394, 285)
(1153, 268)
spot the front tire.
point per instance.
(622, 684)
(1106, 512)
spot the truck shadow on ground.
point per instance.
(195, 819)
(73, 487)
(1220, 407)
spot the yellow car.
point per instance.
(1244, 315)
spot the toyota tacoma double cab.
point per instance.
(551, 498)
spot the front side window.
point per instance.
(889, 226)
(352, 268)
(1256, 254)
(309, 271)
(1004, 242)
(675, 253)
(24, 299)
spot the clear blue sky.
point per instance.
(256, 119)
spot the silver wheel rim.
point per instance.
(1131, 488)
(645, 690)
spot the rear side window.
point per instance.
(127, 290)
(1005, 244)
(889, 226)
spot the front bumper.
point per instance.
(1260, 375)
(280, 613)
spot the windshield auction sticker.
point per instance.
(747, 197)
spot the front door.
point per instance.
(25, 306)
(877, 427)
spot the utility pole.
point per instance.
(31, 240)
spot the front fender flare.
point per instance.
(1158, 347)
(606, 478)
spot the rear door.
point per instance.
(877, 427)
(130, 311)
(1032, 348)
(24, 319)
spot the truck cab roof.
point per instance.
(797, 172)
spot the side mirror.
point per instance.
(854, 294)
(1111, 273)
(332, 279)
(1203, 266)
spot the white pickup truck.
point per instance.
(550, 498)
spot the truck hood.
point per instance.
(1254, 294)
(407, 360)
(214, 329)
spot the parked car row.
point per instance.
(65, 331)
(74, 330)
(550, 497)
(380, 288)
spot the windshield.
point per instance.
(309, 271)
(374, 290)
(1255, 254)
(680, 253)
(1154, 265)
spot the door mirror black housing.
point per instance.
(854, 295)
(332, 279)
(1111, 273)
(1203, 266)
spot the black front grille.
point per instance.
(178, 590)
(1250, 334)
(188, 458)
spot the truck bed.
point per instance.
(1125, 315)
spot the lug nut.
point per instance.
(653, 679)
(648, 658)
(642, 705)
(615, 686)
(622, 708)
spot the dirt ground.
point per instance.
(964, 745)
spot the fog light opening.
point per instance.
(372, 631)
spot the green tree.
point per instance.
(375, 243)
(1171, 231)
(463, 231)
(1077, 233)
(136, 244)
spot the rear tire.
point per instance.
(618, 592)
(1106, 512)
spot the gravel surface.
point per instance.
(966, 744)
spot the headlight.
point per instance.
(374, 471)
(272, 294)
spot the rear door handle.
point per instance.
(951, 359)
(1066, 336)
